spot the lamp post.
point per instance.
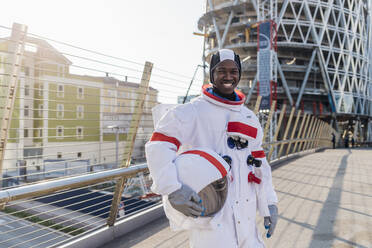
(192, 80)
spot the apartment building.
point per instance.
(61, 116)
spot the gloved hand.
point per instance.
(186, 201)
(270, 221)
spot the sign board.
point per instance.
(264, 63)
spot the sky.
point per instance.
(158, 31)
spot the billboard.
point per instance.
(264, 63)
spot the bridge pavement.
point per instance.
(325, 200)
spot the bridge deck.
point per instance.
(325, 200)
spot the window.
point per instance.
(59, 132)
(79, 111)
(25, 133)
(60, 109)
(41, 90)
(113, 106)
(111, 93)
(60, 90)
(79, 154)
(27, 90)
(40, 132)
(80, 93)
(41, 108)
(79, 132)
(27, 71)
(26, 110)
(61, 71)
(59, 154)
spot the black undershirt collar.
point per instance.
(231, 97)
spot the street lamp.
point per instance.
(192, 80)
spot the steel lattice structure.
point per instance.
(323, 54)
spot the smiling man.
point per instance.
(217, 120)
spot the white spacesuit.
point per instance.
(209, 121)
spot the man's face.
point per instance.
(226, 77)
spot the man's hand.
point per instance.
(186, 201)
(270, 221)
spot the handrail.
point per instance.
(42, 188)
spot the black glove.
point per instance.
(270, 221)
(186, 201)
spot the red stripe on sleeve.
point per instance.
(162, 137)
(211, 160)
(238, 127)
(258, 154)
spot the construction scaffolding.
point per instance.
(322, 56)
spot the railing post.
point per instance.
(267, 125)
(286, 131)
(293, 133)
(277, 131)
(330, 129)
(315, 145)
(258, 103)
(300, 133)
(129, 144)
(16, 47)
(315, 133)
(306, 134)
(310, 134)
(310, 137)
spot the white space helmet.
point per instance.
(204, 171)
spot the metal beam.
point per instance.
(215, 23)
(326, 78)
(227, 26)
(284, 82)
(308, 70)
(254, 83)
(254, 3)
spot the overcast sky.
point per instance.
(160, 31)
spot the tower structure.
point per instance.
(322, 62)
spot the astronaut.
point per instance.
(219, 121)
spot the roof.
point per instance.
(114, 81)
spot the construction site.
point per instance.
(320, 55)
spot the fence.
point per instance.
(74, 125)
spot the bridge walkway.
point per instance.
(325, 200)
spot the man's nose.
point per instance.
(229, 76)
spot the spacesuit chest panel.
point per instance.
(211, 125)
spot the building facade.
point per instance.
(322, 53)
(61, 119)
